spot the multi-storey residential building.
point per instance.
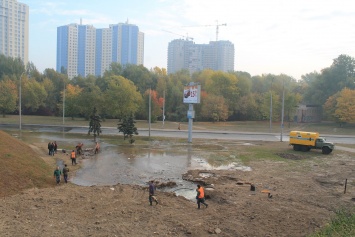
(103, 50)
(178, 55)
(67, 49)
(185, 54)
(96, 49)
(14, 29)
(86, 50)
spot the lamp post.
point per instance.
(271, 105)
(20, 102)
(63, 103)
(283, 106)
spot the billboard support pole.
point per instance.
(192, 94)
(191, 109)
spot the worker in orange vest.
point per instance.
(200, 196)
(73, 157)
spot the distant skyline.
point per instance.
(275, 36)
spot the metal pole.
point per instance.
(272, 80)
(164, 108)
(270, 111)
(191, 108)
(20, 102)
(63, 103)
(150, 99)
(283, 106)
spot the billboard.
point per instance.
(192, 94)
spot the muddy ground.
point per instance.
(304, 195)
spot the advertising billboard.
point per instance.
(192, 94)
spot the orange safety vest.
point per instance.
(73, 154)
(202, 193)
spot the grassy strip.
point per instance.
(342, 225)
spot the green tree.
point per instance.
(33, 94)
(8, 96)
(140, 76)
(95, 124)
(90, 98)
(128, 128)
(214, 108)
(121, 97)
(11, 66)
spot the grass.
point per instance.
(21, 168)
(236, 126)
(342, 225)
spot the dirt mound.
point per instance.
(21, 167)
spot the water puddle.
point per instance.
(134, 165)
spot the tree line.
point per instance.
(125, 90)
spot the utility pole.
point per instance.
(150, 100)
(63, 103)
(20, 102)
(283, 106)
(271, 105)
(163, 107)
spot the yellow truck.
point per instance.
(305, 141)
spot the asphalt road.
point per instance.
(201, 134)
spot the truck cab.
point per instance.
(327, 147)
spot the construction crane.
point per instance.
(216, 25)
(187, 36)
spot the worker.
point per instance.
(200, 196)
(73, 157)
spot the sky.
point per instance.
(269, 36)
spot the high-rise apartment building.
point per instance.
(96, 49)
(67, 49)
(14, 29)
(185, 54)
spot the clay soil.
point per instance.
(304, 195)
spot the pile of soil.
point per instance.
(304, 198)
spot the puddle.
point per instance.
(203, 164)
(134, 165)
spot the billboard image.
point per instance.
(192, 94)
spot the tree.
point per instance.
(156, 105)
(346, 106)
(90, 98)
(72, 95)
(121, 97)
(128, 128)
(33, 94)
(95, 124)
(8, 96)
(330, 106)
(214, 108)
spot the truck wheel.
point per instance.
(305, 148)
(326, 150)
(296, 147)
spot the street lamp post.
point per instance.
(283, 106)
(20, 102)
(63, 103)
(271, 105)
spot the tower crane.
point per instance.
(216, 25)
(187, 36)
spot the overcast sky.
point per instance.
(269, 36)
